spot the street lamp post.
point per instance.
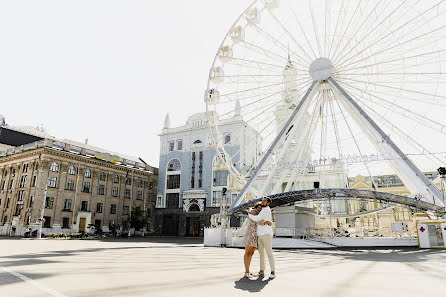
(42, 210)
(75, 196)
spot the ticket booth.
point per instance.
(431, 233)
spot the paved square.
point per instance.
(183, 267)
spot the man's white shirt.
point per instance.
(265, 215)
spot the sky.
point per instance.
(109, 71)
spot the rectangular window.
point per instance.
(49, 201)
(11, 185)
(99, 207)
(5, 219)
(31, 201)
(70, 185)
(173, 200)
(34, 183)
(3, 185)
(113, 209)
(171, 146)
(140, 183)
(86, 188)
(67, 204)
(7, 202)
(47, 223)
(84, 206)
(192, 177)
(102, 176)
(20, 195)
(173, 181)
(220, 178)
(22, 181)
(125, 210)
(216, 197)
(18, 209)
(180, 145)
(149, 212)
(65, 223)
(115, 192)
(25, 168)
(127, 193)
(101, 190)
(139, 195)
(52, 182)
(97, 224)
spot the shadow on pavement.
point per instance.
(251, 285)
(7, 278)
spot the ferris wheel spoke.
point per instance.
(315, 30)
(303, 81)
(361, 26)
(258, 63)
(342, 66)
(356, 143)
(397, 88)
(289, 34)
(433, 102)
(366, 35)
(380, 39)
(335, 53)
(404, 136)
(265, 52)
(399, 67)
(278, 42)
(407, 113)
(335, 30)
(305, 36)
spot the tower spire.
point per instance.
(237, 108)
(167, 121)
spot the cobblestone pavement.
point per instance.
(183, 267)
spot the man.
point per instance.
(265, 237)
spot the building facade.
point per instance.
(76, 187)
(192, 176)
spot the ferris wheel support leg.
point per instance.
(409, 173)
(282, 134)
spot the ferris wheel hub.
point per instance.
(321, 69)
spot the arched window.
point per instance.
(197, 141)
(116, 179)
(54, 167)
(174, 165)
(194, 207)
(87, 173)
(227, 138)
(72, 170)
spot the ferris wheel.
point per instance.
(328, 90)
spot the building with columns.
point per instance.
(74, 183)
(191, 176)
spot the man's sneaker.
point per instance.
(249, 275)
(258, 274)
(272, 276)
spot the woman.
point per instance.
(250, 238)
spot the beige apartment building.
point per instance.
(75, 185)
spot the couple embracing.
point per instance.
(259, 235)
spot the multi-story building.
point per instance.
(75, 184)
(192, 176)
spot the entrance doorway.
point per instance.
(82, 223)
(193, 227)
(170, 225)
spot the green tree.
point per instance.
(137, 219)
